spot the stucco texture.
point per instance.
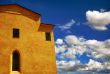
(37, 56)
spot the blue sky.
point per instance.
(72, 23)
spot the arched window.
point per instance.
(16, 61)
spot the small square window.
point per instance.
(15, 33)
(48, 36)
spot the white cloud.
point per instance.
(70, 66)
(77, 66)
(60, 48)
(101, 47)
(81, 45)
(70, 54)
(98, 20)
(78, 45)
(59, 41)
(94, 65)
(94, 44)
(67, 25)
(71, 39)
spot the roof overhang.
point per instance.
(46, 27)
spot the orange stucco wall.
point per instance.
(37, 56)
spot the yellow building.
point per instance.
(26, 44)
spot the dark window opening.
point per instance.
(15, 33)
(48, 36)
(16, 61)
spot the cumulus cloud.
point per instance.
(60, 48)
(59, 41)
(99, 46)
(77, 66)
(67, 25)
(79, 45)
(71, 39)
(76, 44)
(70, 66)
(98, 19)
(94, 65)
